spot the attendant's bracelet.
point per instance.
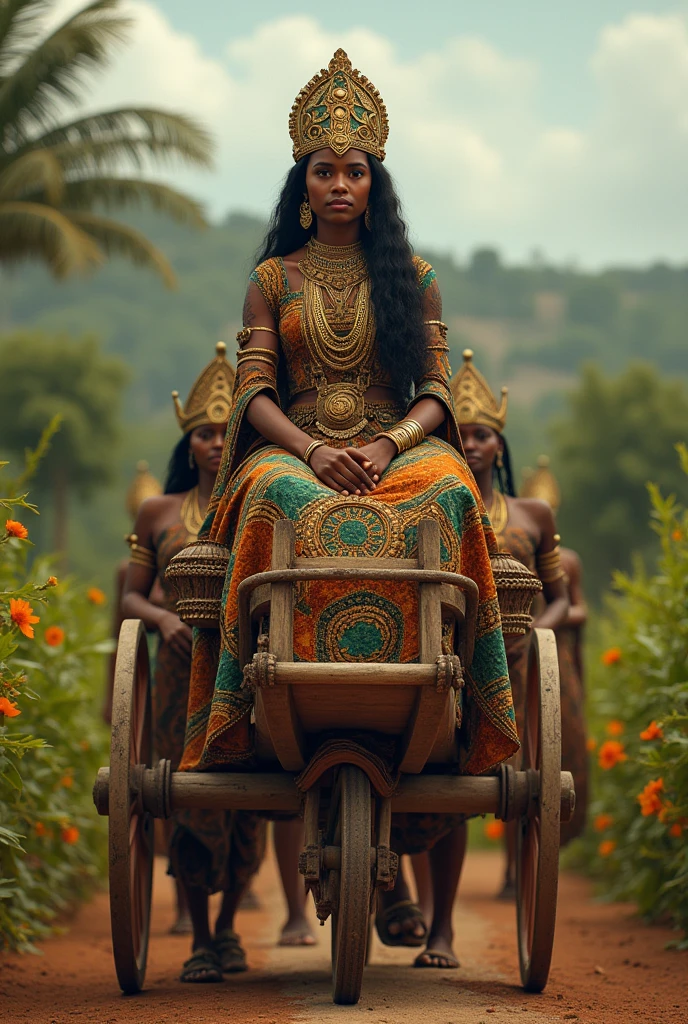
(140, 555)
(310, 449)
(404, 435)
(549, 565)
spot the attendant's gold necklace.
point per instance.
(499, 513)
(191, 515)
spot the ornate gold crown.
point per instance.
(341, 109)
(473, 399)
(210, 398)
(542, 483)
(144, 485)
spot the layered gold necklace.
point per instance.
(499, 513)
(191, 515)
(335, 271)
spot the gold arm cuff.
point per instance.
(244, 335)
(439, 324)
(140, 555)
(249, 357)
(549, 567)
(405, 435)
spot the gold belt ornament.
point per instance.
(340, 410)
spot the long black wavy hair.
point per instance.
(395, 294)
(180, 475)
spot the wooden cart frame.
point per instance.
(347, 854)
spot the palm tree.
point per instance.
(58, 180)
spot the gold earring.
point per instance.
(499, 460)
(192, 461)
(305, 214)
(366, 217)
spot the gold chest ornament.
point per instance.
(338, 271)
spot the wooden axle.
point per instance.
(161, 792)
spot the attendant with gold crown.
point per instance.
(343, 422)
(208, 851)
(524, 526)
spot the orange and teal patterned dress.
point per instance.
(260, 483)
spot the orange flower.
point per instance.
(52, 581)
(22, 615)
(494, 829)
(591, 744)
(95, 595)
(611, 753)
(603, 822)
(650, 800)
(615, 728)
(677, 535)
(653, 732)
(9, 708)
(67, 781)
(611, 656)
(15, 529)
(676, 830)
(54, 636)
(606, 847)
(85, 745)
(40, 829)
(70, 835)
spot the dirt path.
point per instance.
(607, 968)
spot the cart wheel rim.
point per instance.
(131, 846)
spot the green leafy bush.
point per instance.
(637, 844)
(53, 638)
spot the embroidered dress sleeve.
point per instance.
(434, 383)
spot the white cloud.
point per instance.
(472, 155)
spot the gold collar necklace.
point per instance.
(191, 515)
(499, 513)
(336, 266)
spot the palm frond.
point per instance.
(117, 239)
(133, 133)
(114, 193)
(35, 176)
(18, 24)
(35, 231)
(54, 69)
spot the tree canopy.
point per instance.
(59, 179)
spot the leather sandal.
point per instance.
(203, 966)
(229, 951)
(399, 913)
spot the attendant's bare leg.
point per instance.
(421, 871)
(408, 925)
(508, 891)
(228, 908)
(446, 862)
(182, 923)
(288, 837)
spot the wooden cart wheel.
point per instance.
(131, 832)
(537, 857)
(350, 921)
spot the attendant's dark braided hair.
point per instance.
(504, 474)
(395, 294)
(181, 476)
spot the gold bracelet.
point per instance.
(244, 334)
(310, 449)
(243, 353)
(248, 357)
(404, 435)
(549, 566)
(140, 555)
(440, 324)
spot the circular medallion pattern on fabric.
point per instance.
(362, 626)
(345, 527)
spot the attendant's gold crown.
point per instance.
(210, 398)
(144, 485)
(473, 399)
(542, 483)
(339, 109)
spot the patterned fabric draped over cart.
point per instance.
(260, 483)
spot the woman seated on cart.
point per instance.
(343, 422)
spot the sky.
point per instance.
(556, 127)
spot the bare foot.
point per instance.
(297, 932)
(439, 954)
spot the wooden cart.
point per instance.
(347, 810)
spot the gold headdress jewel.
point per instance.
(542, 483)
(144, 485)
(473, 399)
(210, 398)
(339, 109)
